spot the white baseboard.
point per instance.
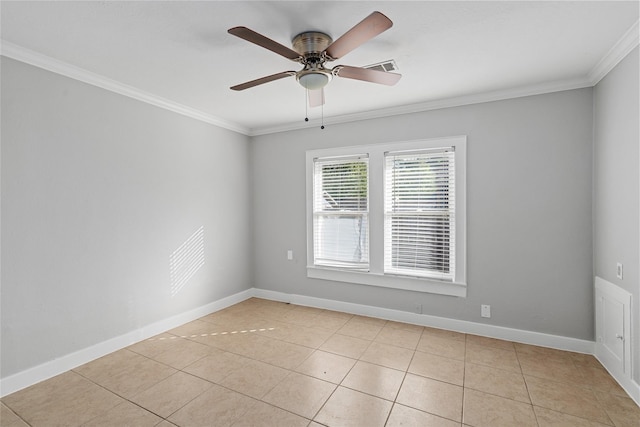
(499, 332)
(62, 364)
(54, 367)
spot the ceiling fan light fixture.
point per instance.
(314, 80)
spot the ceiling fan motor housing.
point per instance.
(311, 42)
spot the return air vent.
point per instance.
(386, 66)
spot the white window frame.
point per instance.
(376, 276)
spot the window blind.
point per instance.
(420, 214)
(341, 212)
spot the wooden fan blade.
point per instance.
(262, 80)
(265, 42)
(373, 76)
(316, 97)
(367, 29)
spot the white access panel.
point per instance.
(613, 328)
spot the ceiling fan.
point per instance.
(314, 49)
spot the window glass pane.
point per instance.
(341, 241)
(340, 209)
(419, 214)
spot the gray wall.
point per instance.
(617, 183)
(97, 191)
(529, 173)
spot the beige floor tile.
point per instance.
(274, 312)
(404, 326)
(370, 320)
(171, 394)
(312, 337)
(550, 354)
(265, 415)
(247, 344)
(328, 320)
(337, 314)
(284, 354)
(431, 396)
(388, 355)
(600, 380)
(496, 381)
(183, 354)
(437, 368)
(398, 337)
(359, 328)
(125, 414)
(67, 399)
(166, 423)
(443, 333)
(155, 345)
(300, 394)
(217, 365)
(254, 379)
(549, 418)
(349, 408)
(326, 366)
(216, 406)
(566, 398)
(8, 418)
(308, 309)
(279, 330)
(553, 369)
(585, 361)
(375, 380)
(621, 409)
(403, 416)
(235, 322)
(486, 410)
(491, 342)
(109, 365)
(304, 316)
(501, 359)
(446, 347)
(128, 378)
(195, 329)
(345, 346)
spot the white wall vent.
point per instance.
(385, 66)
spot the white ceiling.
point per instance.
(179, 54)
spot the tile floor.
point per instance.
(264, 363)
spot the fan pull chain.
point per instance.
(322, 125)
(306, 105)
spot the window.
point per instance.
(419, 209)
(389, 215)
(340, 212)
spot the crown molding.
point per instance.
(19, 53)
(617, 53)
(478, 98)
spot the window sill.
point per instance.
(388, 281)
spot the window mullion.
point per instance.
(376, 212)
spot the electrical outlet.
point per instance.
(485, 310)
(290, 255)
(619, 270)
